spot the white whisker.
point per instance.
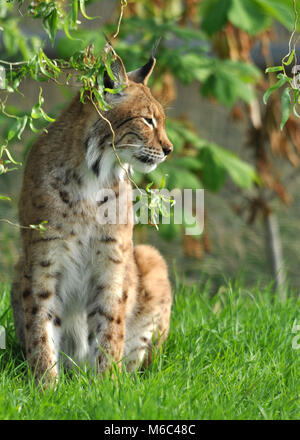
(128, 145)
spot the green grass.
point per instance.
(227, 357)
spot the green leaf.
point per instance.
(190, 163)
(74, 14)
(5, 197)
(226, 87)
(35, 112)
(23, 122)
(82, 9)
(163, 182)
(273, 69)
(286, 106)
(51, 64)
(221, 87)
(14, 129)
(178, 177)
(244, 71)
(114, 91)
(44, 61)
(9, 36)
(108, 67)
(240, 172)
(67, 23)
(43, 9)
(281, 10)
(45, 116)
(290, 58)
(283, 80)
(213, 173)
(148, 187)
(215, 13)
(50, 25)
(103, 105)
(248, 16)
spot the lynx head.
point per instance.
(137, 119)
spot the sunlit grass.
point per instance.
(227, 357)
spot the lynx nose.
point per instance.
(167, 150)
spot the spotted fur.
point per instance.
(82, 291)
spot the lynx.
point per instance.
(82, 291)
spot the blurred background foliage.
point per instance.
(211, 62)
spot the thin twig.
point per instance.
(294, 30)
(5, 220)
(123, 5)
(9, 63)
(292, 37)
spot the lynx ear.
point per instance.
(142, 74)
(118, 70)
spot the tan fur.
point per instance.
(82, 288)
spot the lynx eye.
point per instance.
(150, 122)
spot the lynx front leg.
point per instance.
(42, 318)
(106, 311)
(106, 322)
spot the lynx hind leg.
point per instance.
(17, 306)
(150, 322)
